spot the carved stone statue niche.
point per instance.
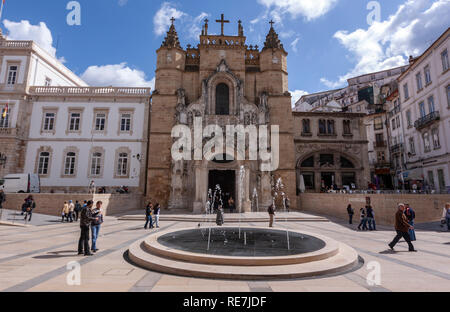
(181, 115)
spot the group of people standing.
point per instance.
(91, 219)
(71, 211)
(150, 212)
(367, 218)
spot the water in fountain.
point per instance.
(217, 196)
(255, 199)
(279, 189)
(241, 195)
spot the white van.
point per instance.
(21, 183)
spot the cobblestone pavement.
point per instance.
(36, 258)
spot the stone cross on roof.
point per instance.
(222, 21)
(173, 20)
(271, 23)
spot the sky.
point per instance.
(328, 41)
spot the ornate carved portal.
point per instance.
(192, 177)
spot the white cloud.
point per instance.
(118, 75)
(296, 95)
(161, 20)
(310, 9)
(23, 30)
(195, 28)
(294, 44)
(123, 2)
(413, 27)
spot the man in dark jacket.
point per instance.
(86, 220)
(402, 227)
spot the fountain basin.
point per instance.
(162, 253)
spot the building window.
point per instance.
(398, 121)
(308, 163)
(347, 164)
(436, 140)
(222, 99)
(125, 122)
(406, 91)
(378, 123)
(347, 127)
(358, 108)
(426, 142)
(327, 159)
(379, 138)
(100, 122)
(381, 156)
(431, 179)
(431, 108)
(423, 113)
(75, 121)
(427, 72)
(412, 146)
(408, 118)
(122, 165)
(49, 122)
(48, 82)
(445, 63)
(69, 164)
(448, 95)
(441, 179)
(43, 163)
(96, 164)
(322, 126)
(12, 75)
(419, 81)
(393, 124)
(4, 117)
(330, 127)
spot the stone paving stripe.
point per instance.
(404, 263)
(56, 246)
(147, 283)
(26, 285)
(363, 283)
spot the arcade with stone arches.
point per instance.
(328, 168)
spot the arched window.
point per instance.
(222, 99)
(345, 163)
(308, 163)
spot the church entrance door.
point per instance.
(227, 181)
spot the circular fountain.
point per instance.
(242, 253)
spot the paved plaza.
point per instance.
(35, 258)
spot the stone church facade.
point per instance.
(225, 82)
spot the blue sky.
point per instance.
(327, 40)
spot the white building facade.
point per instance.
(78, 135)
(425, 95)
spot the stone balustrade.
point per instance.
(16, 44)
(111, 91)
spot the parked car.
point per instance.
(21, 183)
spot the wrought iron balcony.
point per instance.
(397, 148)
(427, 120)
(381, 144)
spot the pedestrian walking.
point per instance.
(148, 215)
(402, 227)
(77, 211)
(287, 203)
(97, 214)
(156, 213)
(86, 219)
(411, 216)
(370, 218)
(30, 205)
(271, 212)
(446, 216)
(350, 212)
(71, 211)
(2, 200)
(363, 220)
(65, 212)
